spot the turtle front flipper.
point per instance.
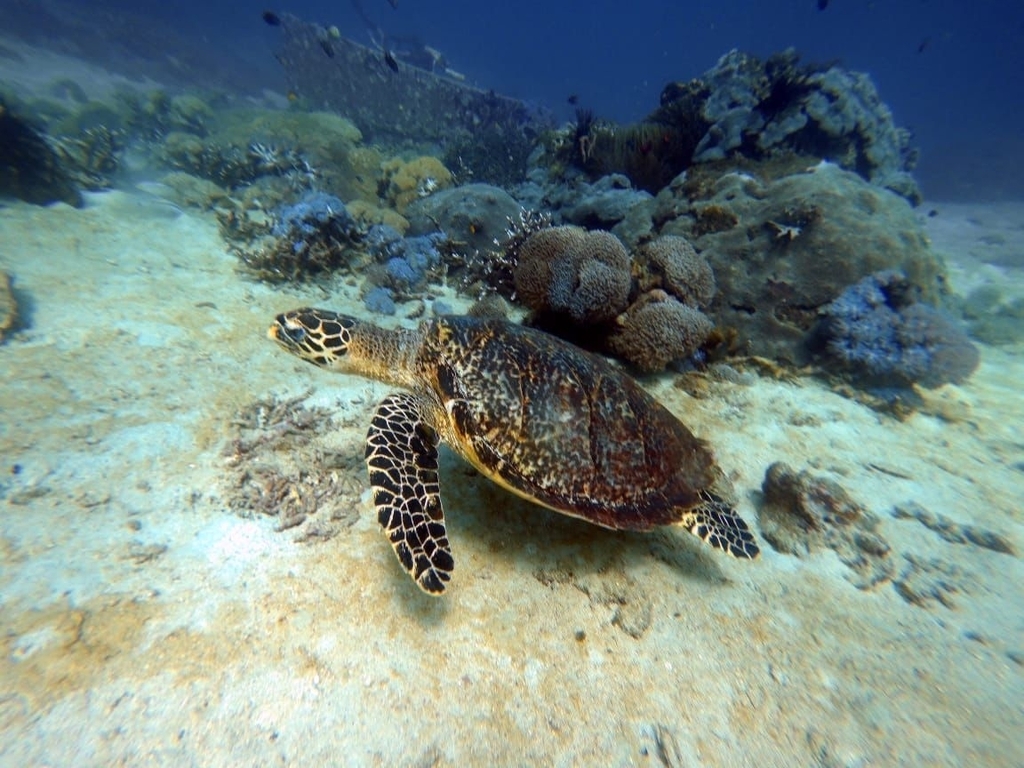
(401, 454)
(718, 524)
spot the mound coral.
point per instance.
(567, 271)
(877, 331)
(657, 329)
(671, 263)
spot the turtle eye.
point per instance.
(295, 332)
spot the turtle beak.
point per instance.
(287, 332)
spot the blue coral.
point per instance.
(877, 331)
(401, 273)
(407, 260)
(312, 214)
(379, 237)
(380, 300)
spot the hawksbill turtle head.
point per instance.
(318, 336)
(345, 344)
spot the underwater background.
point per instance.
(798, 225)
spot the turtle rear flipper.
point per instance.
(401, 454)
(719, 525)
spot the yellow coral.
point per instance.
(368, 214)
(410, 180)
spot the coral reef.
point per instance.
(585, 287)
(368, 214)
(407, 262)
(883, 336)
(756, 108)
(380, 300)
(571, 199)
(650, 153)
(91, 158)
(491, 271)
(157, 113)
(188, 190)
(656, 330)
(799, 240)
(745, 108)
(233, 164)
(237, 147)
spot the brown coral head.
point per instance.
(671, 262)
(570, 272)
(656, 330)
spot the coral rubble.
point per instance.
(802, 512)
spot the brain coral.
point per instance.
(571, 272)
(670, 262)
(656, 330)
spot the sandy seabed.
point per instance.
(144, 622)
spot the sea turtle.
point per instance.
(554, 424)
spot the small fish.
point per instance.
(272, 18)
(924, 45)
(573, 99)
(822, 5)
(391, 61)
(328, 48)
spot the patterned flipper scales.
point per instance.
(718, 524)
(401, 455)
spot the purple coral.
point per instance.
(877, 331)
